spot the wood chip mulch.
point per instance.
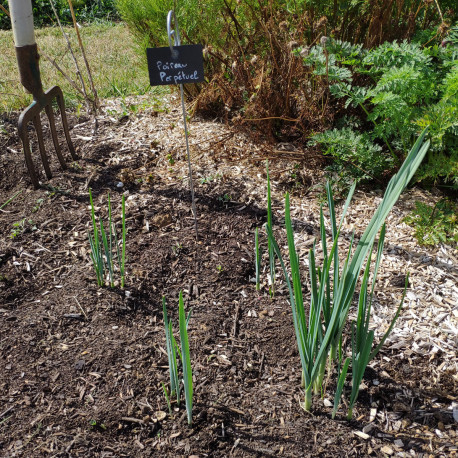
(82, 366)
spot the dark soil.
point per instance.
(82, 366)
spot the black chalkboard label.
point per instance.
(182, 66)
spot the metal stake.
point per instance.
(174, 40)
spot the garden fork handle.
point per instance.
(26, 47)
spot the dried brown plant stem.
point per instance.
(439, 9)
(69, 46)
(96, 104)
(58, 68)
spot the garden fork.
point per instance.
(29, 71)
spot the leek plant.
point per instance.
(183, 354)
(319, 334)
(103, 244)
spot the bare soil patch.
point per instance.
(82, 366)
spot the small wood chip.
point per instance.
(159, 415)
(387, 450)
(362, 435)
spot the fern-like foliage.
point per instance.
(410, 87)
(395, 55)
(355, 155)
(442, 120)
(326, 64)
(434, 224)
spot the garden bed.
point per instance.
(82, 366)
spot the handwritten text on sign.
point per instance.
(183, 65)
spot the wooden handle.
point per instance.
(22, 21)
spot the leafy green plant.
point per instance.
(434, 224)
(210, 178)
(38, 205)
(177, 248)
(442, 120)
(21, 226)
(170, 159)
(320, 334)
(105, 247)
(97, 425)
(225, 198)
(395, 55)
(184, 355)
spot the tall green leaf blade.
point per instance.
(174, 374)
(298, 327)
(169, 343)
(257, 258)
(186, 359)
(340, 385)
(110, 241)
(269, 224)
(108, 255)
(360, 360)
(123, 258)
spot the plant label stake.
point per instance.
(176, 64)
(29, 71)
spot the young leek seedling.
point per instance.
(96, 249)
(172, 351)
(167, 397)
(102, 246)
(122, 263)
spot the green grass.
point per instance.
(117, 67)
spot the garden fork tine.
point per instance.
(29, 71)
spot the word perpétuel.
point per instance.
(181, 76)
